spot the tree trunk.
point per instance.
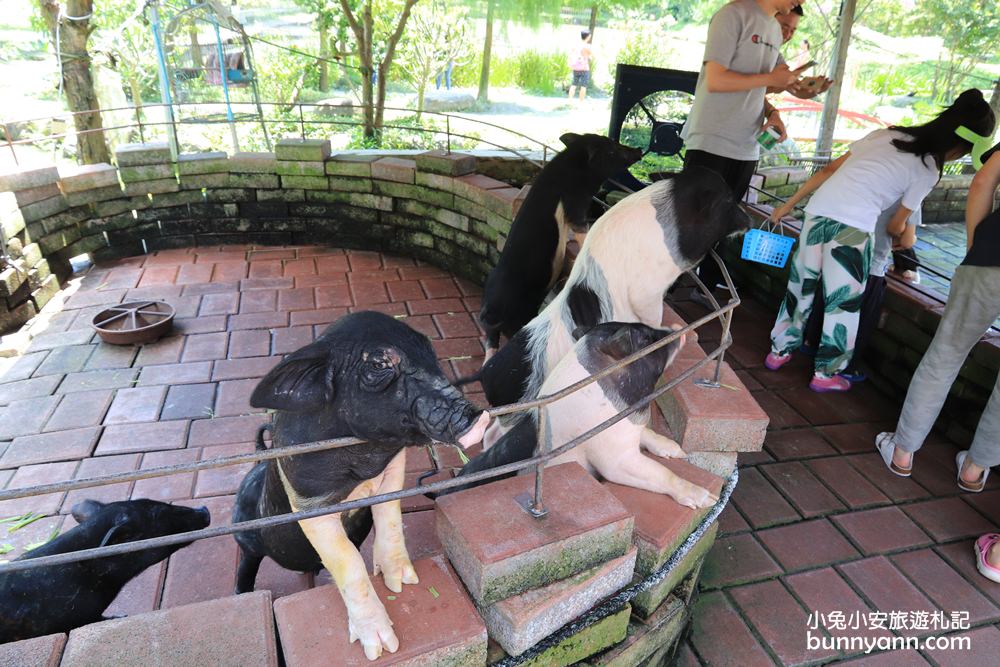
(367, 67)
(995, 98)
(77, 78)
(196, 59)
(484, 74)
(593, 20)
(324, 55)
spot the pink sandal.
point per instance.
(982, 548)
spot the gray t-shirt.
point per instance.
(741, 38)
(883, 242)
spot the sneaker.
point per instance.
(854, 376)
(911, 276)
(982, 548)
(823, 384)
(775, 361)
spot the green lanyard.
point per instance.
(980, 144)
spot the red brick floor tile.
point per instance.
(273, 253)
(201, 325)
(332, 264)
(249, 343)
(760, 502)
(986, 503)
(321, 317)
(186, 306)
(468, 288)
(902, 658)
(982, 649)
(266, 269)
(394, 261)
(35, 532)
(171, 487)
(206, 570)
(189, 401)
(422, 323)
(125, 277)
(396, 309)
(33, 475)
(197, 371)
(934, 469)
(124, 438)
(432, 306)
(89, 380)
(289, 339)
(164, 351)
(99, 467)
(361, 260)
(897, 488)
(782, 415)
(212, 288)
(449, 348)
(302, 298)
(68, 359)
(48, 447)
(962, 557)
(405, 290)
(250, 284)
(885, 588)
(154, 293)
(249, 367)
(457, 325)
(807, 544)
(850, 486)
(193, 274)
(798, 443)
(22, 367)
(158, 275)
(30, 388)
(854, 438)
(737, 559)
(226, 430)
(366, 293)
(375, 276)
(111, 356)
(222, 481)
(258, 321)
(944, 586)
(300, 267)
(474, 304)
(422, 271)
(320, 280)
(685, 656)
(233, 398)
(440, 288)
(139, 404)
(809, 496)
(172, 256)
(881, 530)
(780, 620)
(140, 595)
(27, 416)
(794, 375)
(749, 381)
(229, 271)
(947, 519)
(281, 582)
(259, 301)
(104, 298)
(818, 409)
(84, 408)
(223, 303)
(205, 347)
(731, 521)
(747, 459)
(825, 591)
(719, 634)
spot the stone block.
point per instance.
(229, 195)
(44, 208)
(38, 274)
(398, 170)
(236, 631)
(215, 162)
(274, 194)
(522, 195)
(579, 645)
(306, 182)
(67, 218)
(158, 186)
(717, 463)
(146, 172)
(252, 163)
(500, 550)
(471, 209)
(12, 277)
(58, 240)
(300, 168)
(350, 184)
(24, 179)
(31, 254)
(445, 163)
(204, 181)
(726, 418)
(645, 637)
(100, 194)
(36, 652)
(501, 201)
(11, 224)
(11, 319)
(472, 186)
(435, 622)
(315, 150)
(37, 193)
(48, 289)
(258, 181)
(134, 155)
(86, 245)
(521, 621)
(647, 602)
(168, 199)
(435, 181)
(348, 164)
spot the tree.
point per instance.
(69, 29)
(437, 34)
(327, 13)
(528, 12)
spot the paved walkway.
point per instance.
(816, 522)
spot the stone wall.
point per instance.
(910, 317)
(432, 206)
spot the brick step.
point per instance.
(236, 631)
(646, 639)
(575, 647)
(36, 652)
(435, 622)
(521, 621)
(500, 550)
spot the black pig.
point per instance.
(59, 598)
(532, 257)
(368, 376)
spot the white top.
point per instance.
(875, 175)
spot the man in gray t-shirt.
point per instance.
(741, 62)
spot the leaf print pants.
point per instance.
(842, 255)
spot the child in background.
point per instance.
(835, 244)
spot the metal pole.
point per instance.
(223, 72)
(168, 105)
(824, 142)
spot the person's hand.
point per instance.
(781, 77)
(781, 212)
(774, 120)
(805, 89)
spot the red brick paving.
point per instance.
(807, 518)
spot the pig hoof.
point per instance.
(695, 497)
(668, 449)
(371, 625)
(396, 570)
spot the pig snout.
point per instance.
(475, 434)
(446, 419)
(204, 514)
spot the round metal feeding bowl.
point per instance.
(134, 322)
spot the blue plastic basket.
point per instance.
(767, 247)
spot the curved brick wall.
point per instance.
(432, 206)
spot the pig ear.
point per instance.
(569, 138)
(580, 332)
(86, 509)
(303, 381)
(620, 344)
(121, 521)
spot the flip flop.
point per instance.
(971, 487)
(982, 548)
(885, 447)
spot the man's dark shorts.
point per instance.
(581, 77)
